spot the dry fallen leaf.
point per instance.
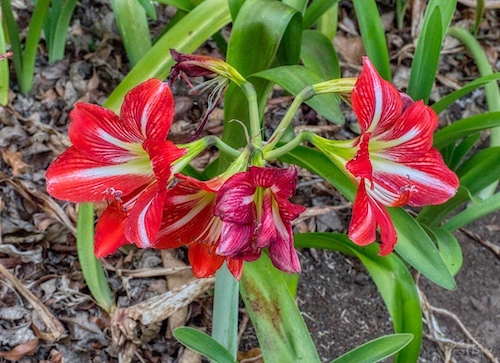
(350, 49)
(20, 351)
(15, 160)
(53, 329)
(190, 356)
(254, 355)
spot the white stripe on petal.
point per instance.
(135, 148)
(413, 175)
(377, 112)
(141, 227)
(147, 110)
(379, 143)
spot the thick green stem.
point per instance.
(223, 147)
(253, 110)
(225, 319)
(289, 146)
(303, 96)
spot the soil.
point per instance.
(41, 273)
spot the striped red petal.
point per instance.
(100, 135)
(148, 109)
(410, 137)
(376, 102)
(367, 214)
(109, 234)
(188, 217)
(74, 177)
(144, 220)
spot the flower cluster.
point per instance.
(128, 162)
(235, 216)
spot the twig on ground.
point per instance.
(144, 272)
(444, 344)
(476, 237)
(54, 327)
(488, 4)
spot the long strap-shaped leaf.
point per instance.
(376, 349)
(185, 36)
(423, 71)
(133, 25)
(4, 72)
(91, 267)
(282, 333)
(372, 33)
(393, 280)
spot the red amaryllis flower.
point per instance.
(256, 214)
(188, 219)
(192, 65)
(125, 160)
(395, 163)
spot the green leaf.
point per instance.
(203, 344)
(58, 42)
(282, 333)
(433, 215)
(268, 22)
(185, 36)
(425, 63)
(393, 280)
(401, 6)
(317, 54)
(299, 5)
(4, 72)
(134, 29)
(328, 22)
(225, 314)
(24, 63)
(480, 170)
(474, 212)
(234, 7)
(491, 90)
(376, 349)
(372, 33)
(315, 161)
(449, 248)
(316, 9)
(453, 155)
(479, 15)
(416, 248)
(149, 8)
(295, 78)
(93, 272)
(423, 71)
(184, 5)
(465, 127)
(447, 100)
